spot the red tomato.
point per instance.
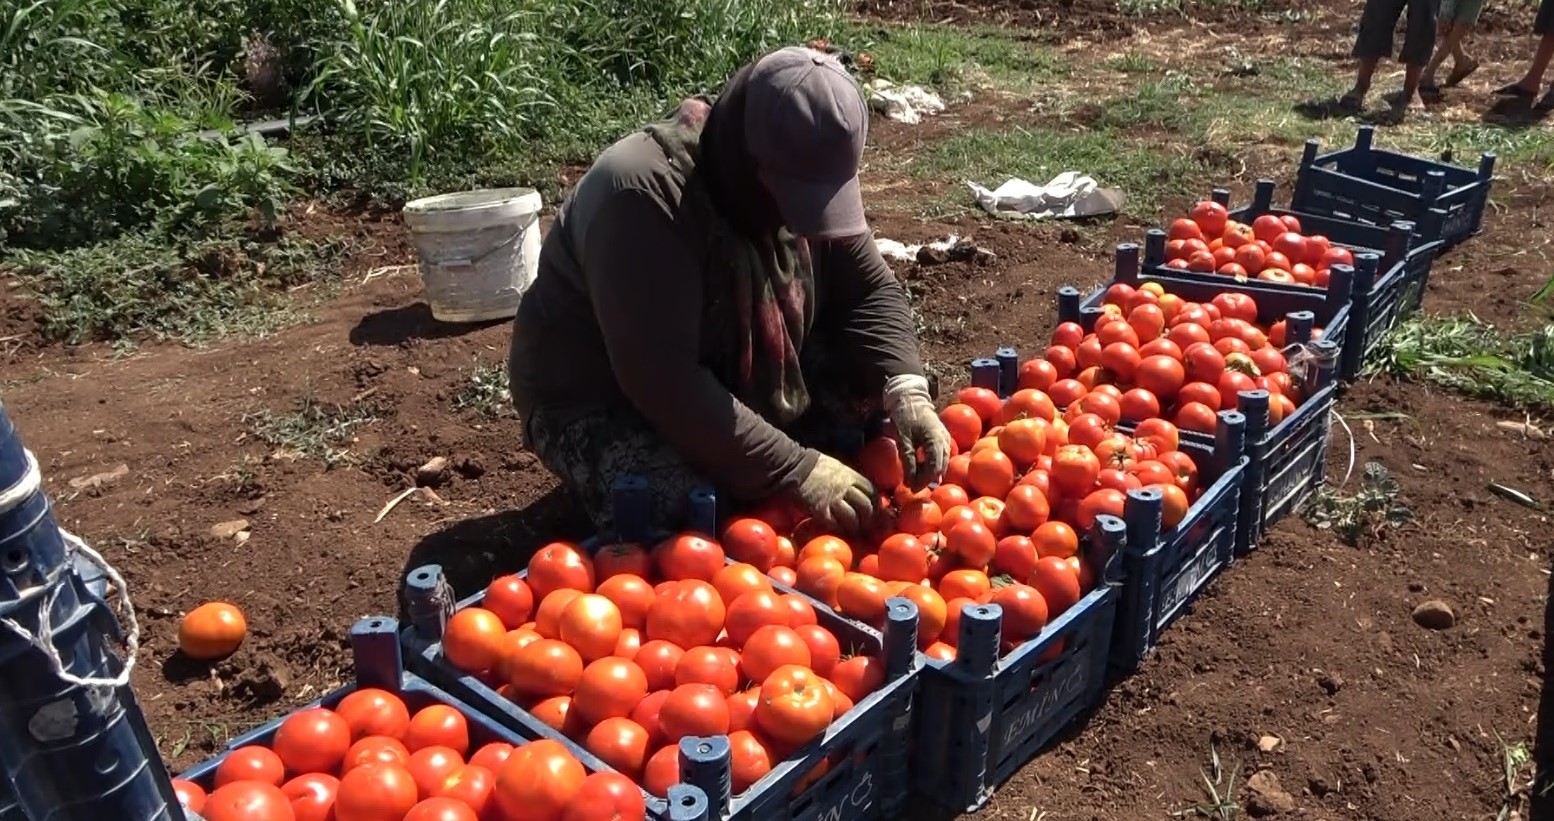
(492, 756)
(470, 785)
(606, 795)
(538, 782)
(248, 801)
(620, 743)
(1057, 583)
(376, 749)
(623, 558)
(190, 794)
(438, 725)
(859, 676)
(431, 766)
(370, 711)
(1025, 611)
(312, 796)
(662, 771)
(1211, 217)
(379, 792)
(560, 565)
(825, 652)
(441, 809)
(693, 710)
(751, 541)
(312, 741)
(251, 763)
(796, 706)
(688, 556)
(510, 598)
(689, 613)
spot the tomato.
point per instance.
(689, 613)
(752, 611)
(985, 402)
(970, 584)
(621, 558)
(688, 556)
(375, 749)
(820, 577)
(1336, 256)
(560, 565)
(471, 785)
(919, 516)
(620, 743)
(606, 797)
(631, 595)
(1058, 584)
(1037, 374)
(772, 647)
(831, 546)
(741, 709)
(251, 763)
(964, 424)
(990, 512)
(373, 712)
(751, 760)
(547, 618)
(211, 631)
(1174, 507)
(662, 771)
(312, 796)
(190, 794)
(547, 667)
(1024, 611)
(825, 652)
(693, 710)
(941, 651)
(1185, 229)
(880, 462)
(972, 542)
(492, 756)
(1183, 467)
(1026, 508)
(931, 613)
(734, 580)
(858, 677)
(312, 740)
(903, 557)
(862, 597)
(657, 661)
(991, 473)
(510, 598)
(1074, 470)
(441, 809)
(592, 624)
(538, 782)
(1211, 217)
(1015, 555)
(609, 688)
(431, 766)
(1068, 334)
(796, 707)
(472, 639)
(378, 792)
(646, 715)
(247, 801)
(751, 541)
(709, 665)
(1024, 440)
(1107, 501)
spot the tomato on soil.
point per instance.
(212, 631)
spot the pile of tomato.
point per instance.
(1154, 355)
(630, 649)
(1271, 249)
(370, 759)
(1004, 527)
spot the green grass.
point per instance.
(1146, 173)
(952, 58)
(1475, 359)
(312, 429)
(485, 391)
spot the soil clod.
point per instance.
(1435, 615)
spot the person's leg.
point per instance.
(590, 451)
(1373, 42)
(1418, 45)
(1445, 32)
(1543, 26)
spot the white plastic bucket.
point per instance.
(479, 250)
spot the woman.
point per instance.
(710, 294)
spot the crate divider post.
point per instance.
(686, 803)
(1297, 327)
(1008, 359)
(985, 373)
(1221, 196)
(1068, 304)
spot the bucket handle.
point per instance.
(470, 262)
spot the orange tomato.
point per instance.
(632, 596)
(557, 566)
(825, 652)
(751, 761)
(931, 611)
(609, 688)
(370, 711)
(1025, 611)
(693, 710)
(862, 597)
(734, 580)
(709, 665)
(772, 647)
(829, 546)
(820, 577)
(1058, 584)
(969, 584)
(472, 639)
(620, 743)
(1056, 539)
(212, 631)
(796, 706)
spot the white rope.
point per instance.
(1353, 454)
(32, 482)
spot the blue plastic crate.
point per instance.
(868, 747)
(1287, 460)
(380, 663)
(985, 715)
(1375, 186)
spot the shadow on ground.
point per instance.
(396, 326)
(474, 551)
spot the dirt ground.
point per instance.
(1309, 640)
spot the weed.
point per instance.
(312, 430)
(955, 58)
(142, 284)
(1468, 356)
(1362, 516)
(1518, 769)
(1220, 791)
(1132, 62)
(485, 391)
(1147, 8)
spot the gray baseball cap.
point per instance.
(805, 126)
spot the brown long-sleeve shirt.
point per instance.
(620, 312)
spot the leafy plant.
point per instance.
(313, 429)
(485, 391)
(1466, 355)
(1363, 515)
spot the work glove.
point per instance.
(837, 496)
(918, 428)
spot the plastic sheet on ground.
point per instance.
(1069, 195)
(901, 252)
(904, 104)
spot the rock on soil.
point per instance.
(1435, 615)
(1265, 796)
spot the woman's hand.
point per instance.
(837, 496)
(909, 405)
